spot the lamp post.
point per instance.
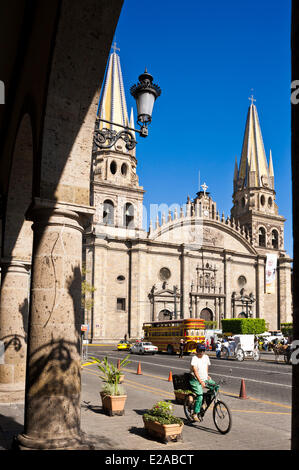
(145, 93)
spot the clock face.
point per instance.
(206, 213)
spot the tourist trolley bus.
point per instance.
(166, 334)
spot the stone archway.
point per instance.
(242, 315)
(164, 315)
(58, 81)
(16, 261)
(206, 314)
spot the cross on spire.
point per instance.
(204, 187)
(114, 47)
(252, 99)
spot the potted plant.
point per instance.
(113, 394)
(161, 424)
(180, 395)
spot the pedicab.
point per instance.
(241, 347)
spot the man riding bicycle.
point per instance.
(199, 377)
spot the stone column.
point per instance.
(227, 286)
(135, 329)
(285, 291)
(14, 323)
(260, 286)
(53, 378)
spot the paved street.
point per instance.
(261, 422)
(264, 379)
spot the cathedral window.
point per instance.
(113, 167)
(262, 236)
(242, 281)
(275, 239)
(121, 278)
(164, 274)
(263, 200)
(124, 169)
(108, 212)
(129, 215)
(270, 202)
(121, 304)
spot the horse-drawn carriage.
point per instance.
(284, 350)
(241, 347)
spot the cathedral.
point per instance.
(192, 261)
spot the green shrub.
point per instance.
(243, 326)
(111, 375)
(286, 329)
(162, 412)
(210, 325)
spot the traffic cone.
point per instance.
(243, 390)
(118, 364)
(139, 369)
(170, 377)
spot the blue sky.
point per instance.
(207, 57)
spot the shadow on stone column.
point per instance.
(13, 325)
(53, 378)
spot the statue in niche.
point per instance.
(134, 177)
(98, 168)
(153, 289)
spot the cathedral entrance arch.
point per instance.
(206, 314)
(165, 315)
(242, 315)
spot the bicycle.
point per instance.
(221, 414)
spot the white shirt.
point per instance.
(201, 365)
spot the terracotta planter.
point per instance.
(180, 397)
(164, 432)
(113, 405)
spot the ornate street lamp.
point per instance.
(145, 94)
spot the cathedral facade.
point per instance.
(192, 261)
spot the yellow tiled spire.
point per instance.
(113, 106)
(253, 158)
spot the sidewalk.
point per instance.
(255, 423)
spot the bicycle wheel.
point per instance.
(189, 407)
(222, 417)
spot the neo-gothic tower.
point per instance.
(254, 206)
(117, 195)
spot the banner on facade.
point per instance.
(271, 265)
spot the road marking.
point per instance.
(157, 391)
(260, 411)
(146, 388)
(221, 391)
(220, 375)
(252, 380)
(250, 369)
(141, 387)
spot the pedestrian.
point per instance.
(182, 344)
(218, 349)
(207, 344)
(226, 345)
(199, 377)
(125, 337)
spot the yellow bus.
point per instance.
(166, 335)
